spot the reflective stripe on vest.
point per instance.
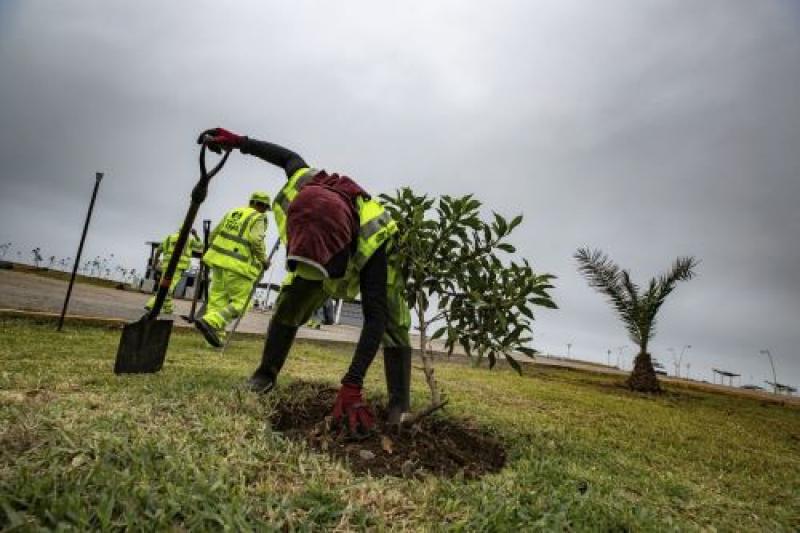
(168, 248)
(376, 227)
(230, 248)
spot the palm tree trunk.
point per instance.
(643, 378)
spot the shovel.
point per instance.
(143, 344)
(250, 297)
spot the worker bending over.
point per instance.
(237, 258)
(165, 251)
(339, 241)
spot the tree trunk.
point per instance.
(643, 377)
(427, 364)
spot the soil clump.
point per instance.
(435, 445)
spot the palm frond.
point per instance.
(605, 276)
(682, 270)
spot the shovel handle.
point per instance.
(198, 196)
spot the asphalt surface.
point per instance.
(31, 292)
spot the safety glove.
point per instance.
(219, 139)
(350, 411)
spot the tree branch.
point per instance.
(413, 418)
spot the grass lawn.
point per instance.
(82, 448)
(64, 276)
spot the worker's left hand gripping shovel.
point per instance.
(143, 344)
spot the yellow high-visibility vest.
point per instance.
(168, 248)
(376, 226)
(231, 247)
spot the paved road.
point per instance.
(30, 292)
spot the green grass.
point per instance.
(83, 449)
(64, 276)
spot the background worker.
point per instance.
(165, 250)
(338, 242)
(237, 257)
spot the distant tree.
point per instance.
(37, 256)
(51, 261)
(4, 249)
(636, 308)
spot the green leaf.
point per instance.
(502, 226)
(544, 302)
(438, 333)
(514, 364)
(530, 352)
(507, 247)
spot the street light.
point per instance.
(680, 359)
(569, 349)
(619, 356)
(675, 362)
(774, 377)
(609, 357)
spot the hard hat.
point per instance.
(260, 197)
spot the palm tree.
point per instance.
(636, 308)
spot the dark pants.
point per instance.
(299, 298)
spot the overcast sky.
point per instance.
(650, 129)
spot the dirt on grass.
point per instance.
(437, 445)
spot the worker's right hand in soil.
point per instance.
(218, 139)
(351, 411)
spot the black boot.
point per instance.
(276, 348)
(397, 364)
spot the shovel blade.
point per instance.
(143, 346)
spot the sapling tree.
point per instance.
(636, 308)
(456, 279)
(4, 249)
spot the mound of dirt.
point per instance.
(435, 445)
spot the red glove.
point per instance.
(219, 139)
(350, 409)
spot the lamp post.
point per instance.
(609, 357)
(680, 359)
(619, 356)
(675, 362)
(772, 364)
(569, 349)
